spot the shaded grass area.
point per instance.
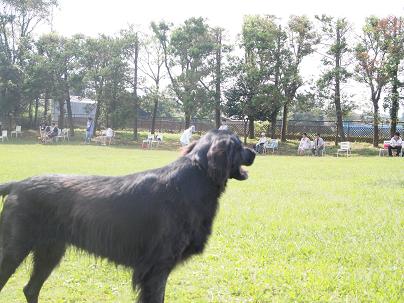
(300, 229)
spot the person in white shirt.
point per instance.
(187, 135)
(303, 145)
(260, 144)
(318, 145)
(109, 132)
(396, 143)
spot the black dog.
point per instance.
(148, 221)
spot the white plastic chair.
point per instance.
(384, 149)
(65, 134)
(270, 144)
(345, 147)
(16, 131)
(148, 142)
(3, 135)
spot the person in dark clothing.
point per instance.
(54, 131)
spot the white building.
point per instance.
(81, 108)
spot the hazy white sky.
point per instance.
(101, 16)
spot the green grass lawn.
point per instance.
(300, 229)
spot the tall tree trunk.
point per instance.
(251, 127)
(46, 106)
(394, 103)
(30, 113)
(36, 112)
(187, 120)
(273, 124)
(97, 116)
(135, 97)
(69, 114)
(154, 114)
(375, 123)
(218, 76)
(69, 107)
(113, 108)
(61, 122)
(285, 121)
(98, 93)
(337, 96)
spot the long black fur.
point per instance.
(149, 221)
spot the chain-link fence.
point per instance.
(354, 130)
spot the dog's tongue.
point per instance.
(243, 173)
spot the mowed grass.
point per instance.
(300, 229)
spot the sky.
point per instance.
(91, 17)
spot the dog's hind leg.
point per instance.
(9, 262)
(14, 246)
(46, 258)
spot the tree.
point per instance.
(263, 42)
(18, 20)
(301, 41)
(335, 33)
(371, 55)
(151, 64)
(95, 61)
(218, 74)
(393, 30)
(185, 56)
(58, 69)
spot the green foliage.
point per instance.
(335, 34)
(261, 79)
(189, 48)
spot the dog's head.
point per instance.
(222, 154)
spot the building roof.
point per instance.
(78, 99)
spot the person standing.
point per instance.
(89, 130)
(318, 146)
(187, 135)
(396, 143)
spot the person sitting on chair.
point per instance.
(318, 146)
(259, 147)
(303, 145)
(109, 133)
(395, 143)
(54, 131)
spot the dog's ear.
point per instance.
(219, 162)
(187, 149)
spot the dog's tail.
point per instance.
(5, 189)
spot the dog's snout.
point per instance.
(248, 156)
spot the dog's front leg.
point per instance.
(152, 286)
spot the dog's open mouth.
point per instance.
(241, 174)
